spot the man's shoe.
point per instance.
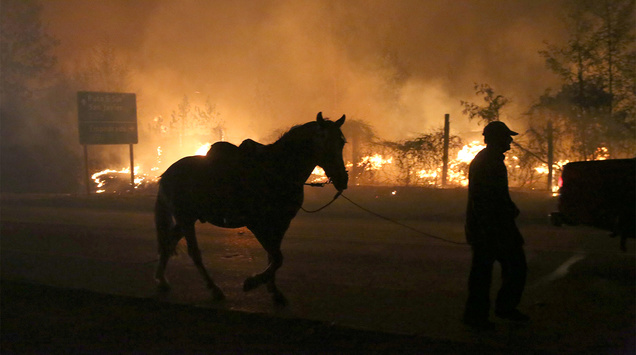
(479, 324)
(513, 315)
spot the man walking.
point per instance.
(492, 233)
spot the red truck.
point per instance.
(600, 193)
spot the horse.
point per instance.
(257, 186)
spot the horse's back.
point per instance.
(204, 186)
(222, 151)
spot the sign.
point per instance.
(107, 118)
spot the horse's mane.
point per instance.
(294, 131)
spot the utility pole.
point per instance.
(550, 155)
(445, 156)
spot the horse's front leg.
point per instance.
(275, 259)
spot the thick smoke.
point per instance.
(399, 65)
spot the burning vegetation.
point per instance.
(387, 165)
(197, 84)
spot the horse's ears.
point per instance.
(340, 121)
(319, 118)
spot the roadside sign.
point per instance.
(107, 117)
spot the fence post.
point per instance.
(86, 173)
(550, 155)
(445, 156)
(132, 168)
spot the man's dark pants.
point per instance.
(513, 277)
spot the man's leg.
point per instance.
(479, 281)
(513, 278)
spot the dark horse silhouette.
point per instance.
(253, 185)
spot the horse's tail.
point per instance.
(164, 224)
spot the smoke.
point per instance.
(399, 65)
(270, 64)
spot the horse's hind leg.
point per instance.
(277, 296)
(195, 254)
(168, 243)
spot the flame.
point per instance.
(318, 176)
(374, 162)
(468, 152)
(203, 150)
(457, 168)
(601, 153)
(100, 180)
(380, 167)
(318, 171)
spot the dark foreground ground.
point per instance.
(356, 283)
(42, 319)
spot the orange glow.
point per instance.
(468, 152)
(100, 181)
(203, 150)
(374, 162)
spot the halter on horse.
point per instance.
(253, 185)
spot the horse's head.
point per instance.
(329, 145)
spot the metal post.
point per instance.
(132, 168)
(550, 155)
(87, 181)
(445, 156)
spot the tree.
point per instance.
(491, 111)
(196, 121)
(358, 133)
(420, 159)
(597, 96)
(35, 107)
(103, 68)
(25, 49)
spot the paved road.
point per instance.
(342, 268)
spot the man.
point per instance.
(492, 233)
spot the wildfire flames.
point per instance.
(374, 162)
(117, 181)
(110, 177)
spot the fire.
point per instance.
(468, 152)
(375, 168)
(457, 168)
(318, 176)
(113, 180)
(203, 150)
(101, 178)
(428, 175)
(601, 153)
(318, 171)
(374, 162)
(159, 152)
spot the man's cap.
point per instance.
(498, 128)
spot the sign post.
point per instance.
(107, 118)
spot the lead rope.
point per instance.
(325, 206)
(403, 225)
(339, 193)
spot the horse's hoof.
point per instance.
(279, 300)
(217, 295)
(250, 284)
(163, 286)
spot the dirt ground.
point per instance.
(41, 319)
(70, 242)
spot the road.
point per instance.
(342, 267)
